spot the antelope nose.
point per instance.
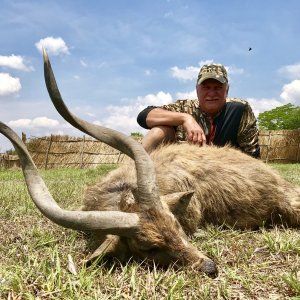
(210, 268)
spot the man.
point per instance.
(211, 119)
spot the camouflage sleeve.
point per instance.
(248, 133)
(182, 106)
(177, 106)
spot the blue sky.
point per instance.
(113, 58)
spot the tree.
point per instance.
(282, 117)
(136, 134)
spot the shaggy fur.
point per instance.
(229, 188)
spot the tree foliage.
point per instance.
(282, 117)
(136, 134)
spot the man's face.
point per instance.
(212, 95)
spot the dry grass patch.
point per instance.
(36, 256)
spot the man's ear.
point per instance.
(178, 202)
(227, 90)
(198, 90)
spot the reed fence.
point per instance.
(8, 161)
(84, 152)
(65, 151)
(280, 146)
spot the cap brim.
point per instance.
(212, 76)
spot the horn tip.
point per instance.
(45, 55)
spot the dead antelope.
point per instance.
(149, 207)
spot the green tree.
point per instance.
(282, 117)
(136, 134)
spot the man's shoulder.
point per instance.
(241, 106)
(188, 102)
(184, 105)
(236, 100)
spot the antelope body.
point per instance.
(149, 207)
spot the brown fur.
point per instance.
(229, 188)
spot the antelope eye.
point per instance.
(150, 250)
(153, 250)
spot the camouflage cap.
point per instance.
(212, 71)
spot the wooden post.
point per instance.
(47, 153)
(24, 138)
(119, 156)
(298, 153)
(268, 147)
(81, 152)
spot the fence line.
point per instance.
(66, 151)
(47, 153)
(75, 152)
(280, 145)
(81, 154)
(8, 161)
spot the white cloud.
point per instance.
(83, 63)
(90, 114)
(123, 118)
(67, 125)
(54, 46)
(121, 122)
(98, 123)
(8, 84)
(188, 73)
(168, 14)
(191, 72)
(188, 95)
(20, 123)
(290, 71)
(160, 98)
(57, 132)
(125, 123)
(260, 105)
(205, 62)
(14, 62)
(34, 123)
(234, 70)
(44, 122)
(291, 92)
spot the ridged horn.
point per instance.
(147, 192)
(114, 222)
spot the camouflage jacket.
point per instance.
(246, 135)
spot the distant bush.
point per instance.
(136, 134)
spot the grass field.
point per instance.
(36, 256)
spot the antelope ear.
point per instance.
(112, 246)
(178, 201)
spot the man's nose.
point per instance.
(211, 92)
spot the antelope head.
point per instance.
(149, 228)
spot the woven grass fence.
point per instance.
(8, 161)
(84, 152)
(282, 146)
(65, 151)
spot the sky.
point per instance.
(113, 58)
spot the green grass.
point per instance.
(34, 253)
(290, 171)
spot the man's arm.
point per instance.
(155, 116)
(248, 133)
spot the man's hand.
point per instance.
(162, 117)
(195, 133)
